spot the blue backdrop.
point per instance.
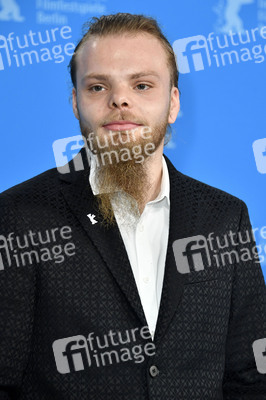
(219, 137)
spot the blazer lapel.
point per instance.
(182, 222)
(108, 241)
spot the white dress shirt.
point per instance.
(145, 242)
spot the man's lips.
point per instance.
(121, 125)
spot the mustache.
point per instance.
(122, 117)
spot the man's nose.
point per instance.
(119, 98)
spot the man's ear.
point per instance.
(74, 103)
(175, 105)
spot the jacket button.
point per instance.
(154, 371)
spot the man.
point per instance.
(126, 279)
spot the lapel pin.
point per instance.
(92, 218)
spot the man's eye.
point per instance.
(95, 86)
(142, 84)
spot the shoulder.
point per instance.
(35, 189)
(196, 192)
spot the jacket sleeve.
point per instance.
(247, 322)
(17, 294)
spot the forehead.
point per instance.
(121, 53)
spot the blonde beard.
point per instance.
(130, 177)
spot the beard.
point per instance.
(126, 174)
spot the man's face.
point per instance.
(125, 78)
(144, 100)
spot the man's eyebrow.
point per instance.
(104, 77)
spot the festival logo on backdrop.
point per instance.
(58, 11)
(229, 14)
(50, 12)
(10, 11)
(229, 18)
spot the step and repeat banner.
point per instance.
(220, 135)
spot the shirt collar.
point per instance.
(92, 179)
(165, 183)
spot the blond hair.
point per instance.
(117, 24)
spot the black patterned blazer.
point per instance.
(71, 322)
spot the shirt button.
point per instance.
(154, 371)
(141, 228)
(146, 279)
